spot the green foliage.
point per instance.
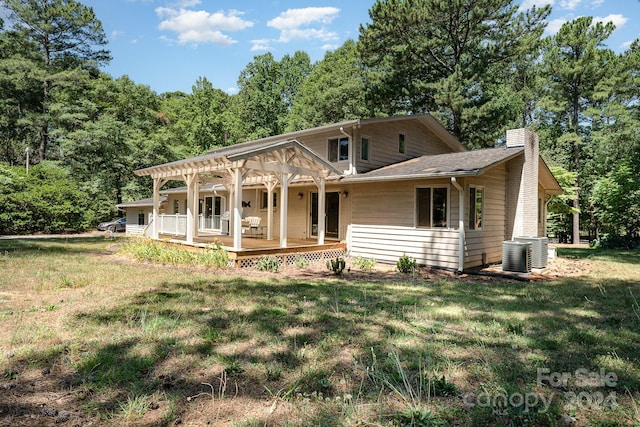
(300, 262)
(448, 58)
(44, 200)
(616, 206)
(366, 264)
(333, 92)
(336, 265)
(148, 250)
(406, 264)
(269, 263)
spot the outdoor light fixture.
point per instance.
(345, 194)
(300, 195)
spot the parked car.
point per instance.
(119, 224)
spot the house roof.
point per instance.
(140, 203)
(262, 157)
(425, 119)
(468, 163)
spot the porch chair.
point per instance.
(252, 226)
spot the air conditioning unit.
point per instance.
(539, 250)
(516, 256)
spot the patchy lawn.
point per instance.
(90, 337)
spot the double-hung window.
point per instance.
(141, 216)
(432, 204)
(338, 149)
(476, 207)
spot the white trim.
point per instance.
(415, 207)
(477, 187)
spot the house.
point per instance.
(384, 187)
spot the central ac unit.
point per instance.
(516, 256)
(539, 250)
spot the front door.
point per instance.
(332, 214)
(212, 212)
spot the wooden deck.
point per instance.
(255, 248)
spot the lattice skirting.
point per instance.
(290, 259)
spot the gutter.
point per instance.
(461, 233)
(349, 171)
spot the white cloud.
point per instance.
(554, 26)
(570, 4)
(303, 24)
(596, 3)
(627, 44)
(233, 90)
(116, 34)
(200, 26)
(617, 19)
(261, 45)
(528, 4)
(328, 47)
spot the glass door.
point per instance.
(332, 214)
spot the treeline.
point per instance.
(480, 67)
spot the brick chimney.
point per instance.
(522, 185)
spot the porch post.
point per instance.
(284, 207)
(461, 234)
(321, 210)
(190, 180)
(157, 184)
(237, 206)
(270, 187)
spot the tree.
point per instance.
(574, 63)
(450, 58)
(20, 92)
(44, 200)
(334, 91)
(267, 88)
(616, 201)
(66, 33)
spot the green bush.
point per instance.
(45, 200)
(270, 263)
(366, 264)
(406, 264)
(336, 265)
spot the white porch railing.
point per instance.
(172, 224)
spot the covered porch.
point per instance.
(267, 165)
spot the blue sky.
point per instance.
(168, 44)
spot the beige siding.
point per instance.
(487, 242)
(383, 143)
(387, 244)
(383, 224)
(393, 203)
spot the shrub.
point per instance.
(270, 263)
(300, 262)
(366, 264)
(406, 264)
(336, 265)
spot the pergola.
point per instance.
(271, 164)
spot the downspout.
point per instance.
(461, 234)
(351, 169)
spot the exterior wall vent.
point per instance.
(539, 250)
(516, 256)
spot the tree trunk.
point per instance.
(576, 202)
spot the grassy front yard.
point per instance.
(89, 336)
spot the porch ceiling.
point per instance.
(260, 160)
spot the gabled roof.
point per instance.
(425, 119)
(263, 158)
(468, 163)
